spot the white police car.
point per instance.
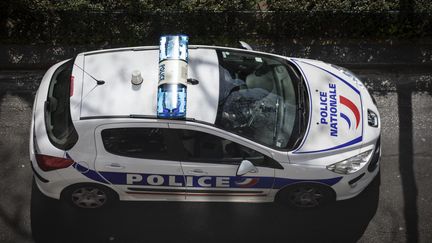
(258, 127)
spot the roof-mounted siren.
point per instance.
(172, 90)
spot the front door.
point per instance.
(210, 165)
(137, 158)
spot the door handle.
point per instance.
(197, 172)
(115, 166)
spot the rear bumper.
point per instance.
(43, 188)
(41, 178)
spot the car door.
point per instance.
(210, 165)
(138, 159)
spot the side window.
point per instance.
(148, 143)
(204, 147)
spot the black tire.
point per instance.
(306, 195)
(89, 196)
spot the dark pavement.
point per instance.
(395, 208)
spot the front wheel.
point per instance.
(306, 195)
(89, 196)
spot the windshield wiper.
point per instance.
(301, 111)
(301, 108)
(275, 130)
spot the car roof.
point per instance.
(118, 97)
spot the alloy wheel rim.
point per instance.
(89, 197)
(307, 197)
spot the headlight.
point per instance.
(352, 164)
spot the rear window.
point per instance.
(61, 131)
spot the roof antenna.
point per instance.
(245, 45)
(98, 82)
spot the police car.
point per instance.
(256, 127)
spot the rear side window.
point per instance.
(147, 143)
(61, 131)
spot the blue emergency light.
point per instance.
(172, 89)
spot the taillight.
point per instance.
(47, 163)
(71, 88)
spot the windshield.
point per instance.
(258, 98)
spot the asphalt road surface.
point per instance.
(396, 207)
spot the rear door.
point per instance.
(139, 160)
(210, 165)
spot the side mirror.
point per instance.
(245, 45)
(246, 167)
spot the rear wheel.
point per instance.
(306, 195)
(89, 196)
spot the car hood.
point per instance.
(336, 116)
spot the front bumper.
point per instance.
(352, 185)
(344, 190)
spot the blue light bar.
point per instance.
(173, 47)
(171, 101)
(172, 89)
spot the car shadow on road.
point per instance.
(344, 221)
